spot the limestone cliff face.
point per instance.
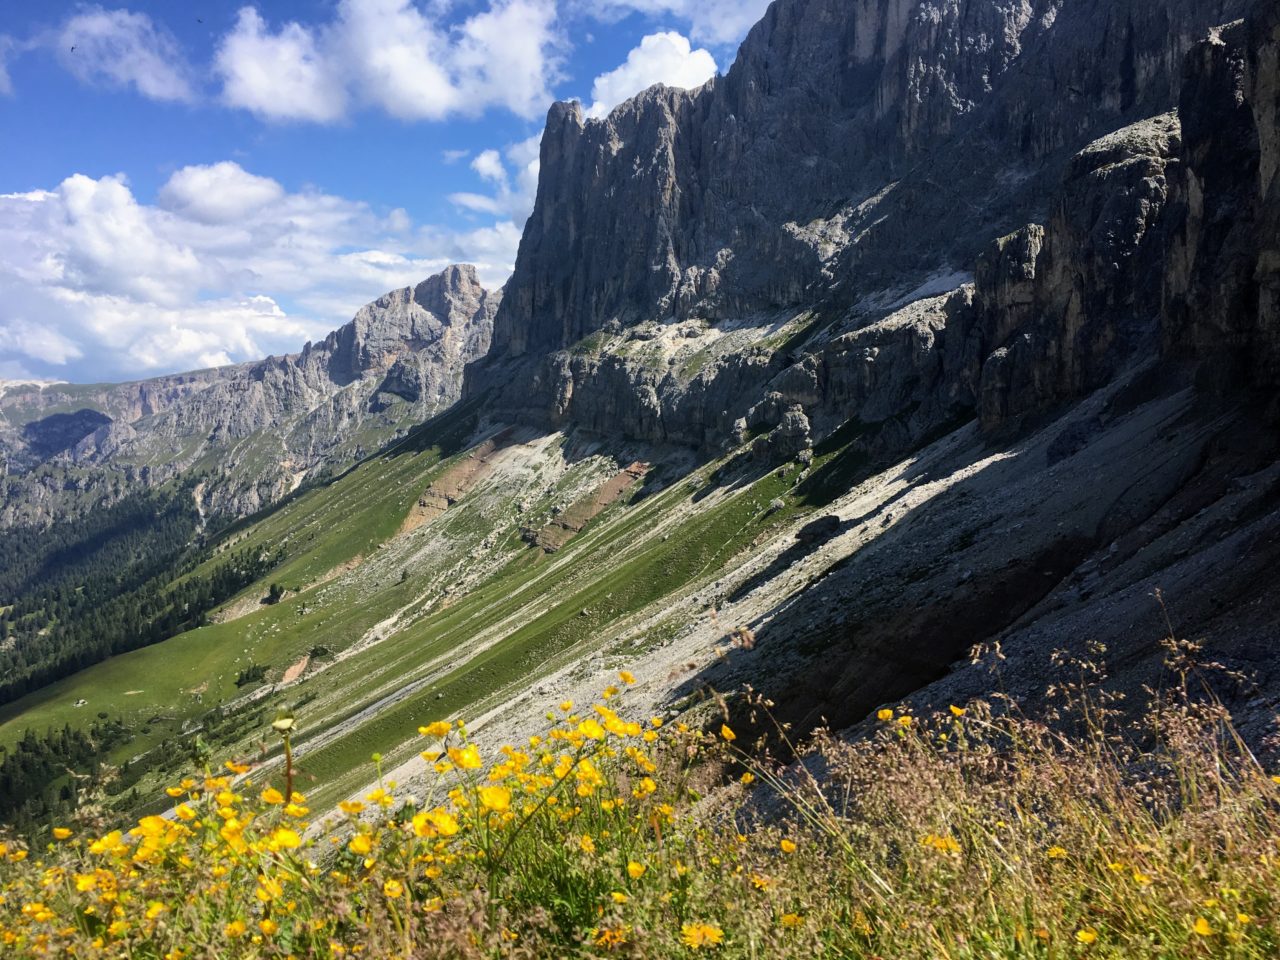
(849, 141)
(1222, 289)
(263, 425)
(854, 149)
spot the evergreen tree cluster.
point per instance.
(42, 778)
(58, 631)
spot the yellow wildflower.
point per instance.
(272, 796)
(1086, 935)
(495, 798)
(886, 714)
(636, 870)
(787, 846)
(611, 937)
(695, 936)
(439, 728)
(392, 889)
(627, 677)
(61, 833)
(1202, 927)
(467, 758)
(727, 732)
(234, 929)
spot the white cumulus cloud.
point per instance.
(279, 76)
(121, 49)
(396, 56)
(218, 193)
(224, 266)
(667, 58)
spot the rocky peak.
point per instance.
(853, 143)
(445, 312)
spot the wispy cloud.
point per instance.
(122, 49)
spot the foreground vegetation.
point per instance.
(974, 833)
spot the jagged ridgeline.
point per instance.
(926, 326)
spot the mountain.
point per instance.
(256, 430)
(929, 353)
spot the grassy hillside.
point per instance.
(383, 623)
(964, 835)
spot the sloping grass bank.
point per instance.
(970, 834)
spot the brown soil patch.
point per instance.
(297, 670)
(570, 523)
(452, 485)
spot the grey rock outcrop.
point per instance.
(852, 149)
(1222, 291)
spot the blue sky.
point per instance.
(188, 183)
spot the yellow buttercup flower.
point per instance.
(636, 870)
(696, 936)
(1202, 927)
(234, 929)
(727, 732)
(360, 844)
(439, 728)
(272, 796)
(1087, 935)
(957, 711)
(466, 758)
(886, 714)
(787, 846)
(61, 833)
(392, 889)
(495, 798)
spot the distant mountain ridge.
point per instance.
(258, 427)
